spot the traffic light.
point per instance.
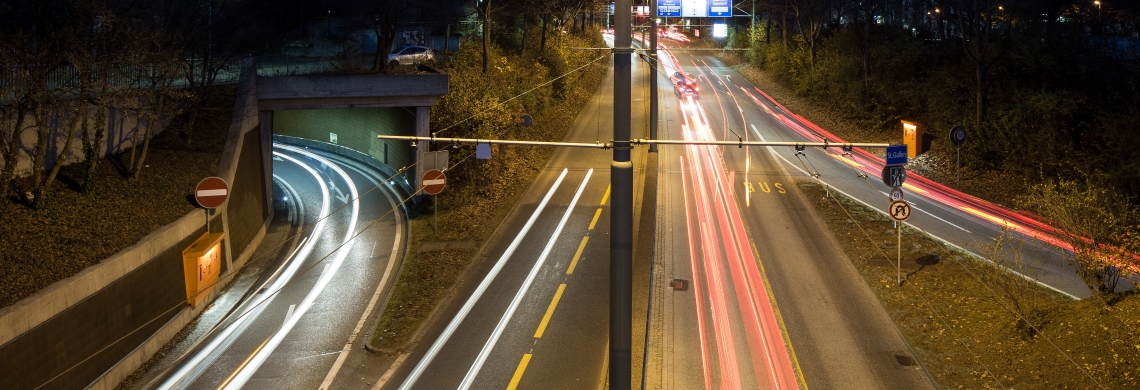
(916, 142)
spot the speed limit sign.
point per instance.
(896, 194)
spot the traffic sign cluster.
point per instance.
(894, 175)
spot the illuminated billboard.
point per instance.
(720, 30)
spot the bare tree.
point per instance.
(812, 17)
(982, 25)
(1013, 279)
(154, 99)
(1098, 224)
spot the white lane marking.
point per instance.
(491, 341)
(239, 325)
(391, 371)
(438, 344)
(290, 312)
(367, 310)
(247, 372)
(912, 226)
(932, 215)
(343, 353)
(218, 192)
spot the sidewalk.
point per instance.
(278, 242)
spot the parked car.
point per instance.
(685, 84)
(411, 55)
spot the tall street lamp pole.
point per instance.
(653, 75)
(621, 208)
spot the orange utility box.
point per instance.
(202, 262)
(912, 137)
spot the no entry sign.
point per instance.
(433, 182)
(211, 192)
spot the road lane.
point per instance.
(836, 333)
(320, 293)
(571, 350)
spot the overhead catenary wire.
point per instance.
(266, 253)
(500, 104)
(989, 289)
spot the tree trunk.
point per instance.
(784, 29)
(152, 121)
(522, 45)
(42, 189)
(38, 158)
(11, 150)
(486, 35)
(378, 63)
(768, 28)
(981, 113)
(542, 42)
(91, 150)
(867, 46)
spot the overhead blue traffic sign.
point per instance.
(896, 155)
(720, 8)
(669, 8)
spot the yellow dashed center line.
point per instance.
(557, 296)
(596, 215)
(578, 254)
(519, 372)
(549, 311)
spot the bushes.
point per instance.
(1055, 107)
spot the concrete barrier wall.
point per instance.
(119, 136)
(96, 328)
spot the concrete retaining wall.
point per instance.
(97, 327)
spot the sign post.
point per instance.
(433, 183)
(899, 211)
(957, 137)
(210, 193)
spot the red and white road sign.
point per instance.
(211, 192)
(433, 182)
(899, 210)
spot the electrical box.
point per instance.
(912, 137)
(202, 262)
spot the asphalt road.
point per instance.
(533, 313)
(838, 334)
(291, 330)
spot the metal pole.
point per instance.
(959, 166)
(434, 215)
(653, 75)
(898, 276)
(621, 208)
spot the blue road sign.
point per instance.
(720, 8)
(669, 8)
(896, 155)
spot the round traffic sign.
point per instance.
(211, 192)
(957, 135)
(896, 194)
(899, 210)
(433, 182)
(894, 175)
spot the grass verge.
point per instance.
(976, 326)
